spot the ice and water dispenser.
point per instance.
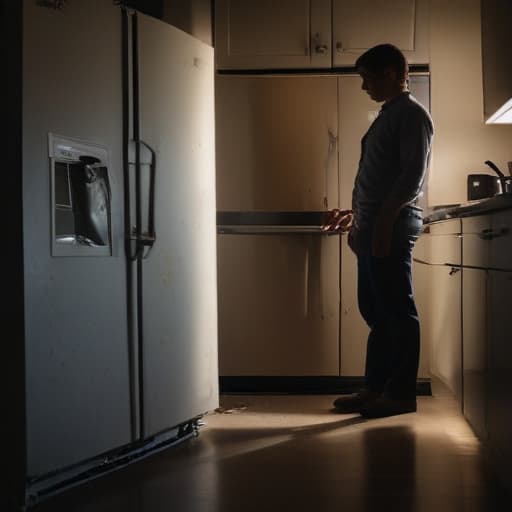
(81, 198)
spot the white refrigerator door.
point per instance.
(77, 355)
(179, 281)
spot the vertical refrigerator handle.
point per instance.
(144, 239)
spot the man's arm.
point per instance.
(416, 133)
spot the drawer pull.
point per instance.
(490, 234)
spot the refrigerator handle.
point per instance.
(145, 240)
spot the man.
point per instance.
(385, 225)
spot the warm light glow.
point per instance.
(503, 115)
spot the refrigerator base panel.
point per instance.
(42, 487)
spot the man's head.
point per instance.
(384, 71)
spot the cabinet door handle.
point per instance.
(321, 49)
(339, 46)
(490, 234)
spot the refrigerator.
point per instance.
(288, 148)
(119, 239)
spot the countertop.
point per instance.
(469, 209)
(311, 222)
(268, 223)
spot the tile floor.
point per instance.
(281, 453)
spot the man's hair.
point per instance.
(384, 56)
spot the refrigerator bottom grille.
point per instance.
(42, 487)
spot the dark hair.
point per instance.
(384, 56)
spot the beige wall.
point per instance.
(192, 16)
(462, 141)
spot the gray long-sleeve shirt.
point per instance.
(394, 157)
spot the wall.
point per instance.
(12, 377)
(462, 141)
(192, 16)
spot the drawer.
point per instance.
(446, 227)
(445, 249)
(501, 242)
(476, 247)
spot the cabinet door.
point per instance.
(276, 143)
(474, 352)
(265, 34)
(278, 305)
(499, 416)
(476, 251)
(501, 240)
(446, 353)
(361, 24)
(446, 304)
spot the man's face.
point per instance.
(379, 86)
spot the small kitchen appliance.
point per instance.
(481, 186)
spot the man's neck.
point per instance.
(395, 93)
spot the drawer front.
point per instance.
(445, 249)
(446, 227)
(501, 242)
(476, 247)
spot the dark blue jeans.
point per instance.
(386, 302)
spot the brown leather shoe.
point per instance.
(385, 406)
(355, 402)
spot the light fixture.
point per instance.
(503, 115)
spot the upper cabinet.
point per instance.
(496, 51)
(301, 34)
(361, 24)
(266, 34)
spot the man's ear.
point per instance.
(390, 73)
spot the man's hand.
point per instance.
(338, 221)
(353, 240)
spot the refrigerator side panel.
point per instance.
(77, 359)
(179, 277)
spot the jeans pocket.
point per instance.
(407, 230)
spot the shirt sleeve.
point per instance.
(415, 139)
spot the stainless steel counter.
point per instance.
(470, 209)
(270, 223)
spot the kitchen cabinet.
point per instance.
(446, 304)
(278, 295)
(486, 288)
(264, 34)
(476, 253)
(276, 143)
(290, 144)
(279, 306)
(361, 24)
(499, 409)
(496, 50)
